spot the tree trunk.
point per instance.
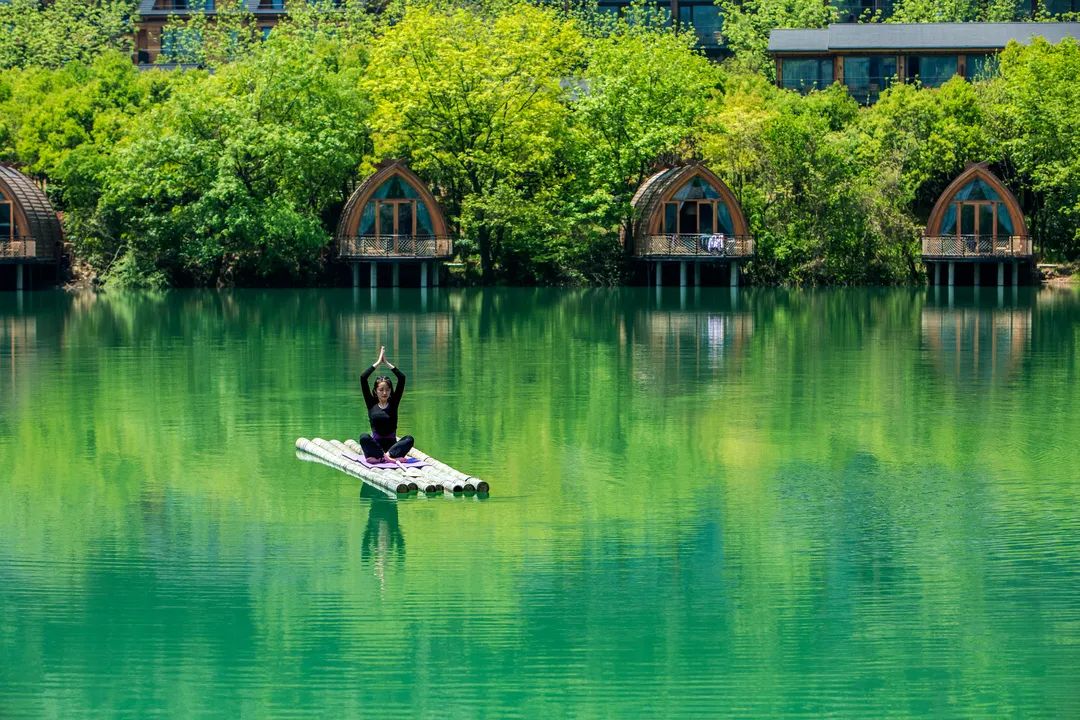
(483, 239)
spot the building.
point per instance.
(30, 233)
(152, 38)
(868, 58)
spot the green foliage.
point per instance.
(920, 11)
(52, 34)
(747, 24)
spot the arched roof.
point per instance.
(648, 201)
(982, 172)
(35, 217)
(349, 223)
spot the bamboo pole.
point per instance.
(308, 457)
(468, 482)
(312, 447)
(335, 447)
(429, 488)
(444, 480)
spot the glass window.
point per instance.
(931, 70)
(423, 219)
(851, 11)
(367, 220)
(705, 217)
(671, 216)
(6, 227)
(865, 77)
(265, 31)
(980, 210)
(1058, 7)
(805, 74)
(395, 187)
(180, 44)
(705, 20)
(697, 189)
(271, 4)
(980, 66)
(386, 218)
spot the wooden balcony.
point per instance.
(25, 250)
(396, 247)
(976, 247)
(700, 247)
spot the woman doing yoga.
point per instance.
(382, 444)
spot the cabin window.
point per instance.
(865, 77)
(806, 74)
(980, 66)
(395, 208)
(931, 70)
(697, 209)
(705, 19)
(7, 227)
(977, 210)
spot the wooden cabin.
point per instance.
(30, 232)
(152, 37)
(392, 219)
(687, 215)
(975, 224)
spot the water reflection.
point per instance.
(974, 336)
(383, 543)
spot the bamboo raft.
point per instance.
(434, 478)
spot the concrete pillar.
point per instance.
(697, 274)
(374, 274)
(356, 274)
(435, 274)
(18, 276)
(423, 274)
(682, 273)
(659, 274)
(1016, 273)
(1001, 274)
(397, 274)
(976, 272)
(734, 272)
(952, 273)
(937, 273)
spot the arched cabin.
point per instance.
(30, 233)
(393, 219)
(976, 222)
(687, 214)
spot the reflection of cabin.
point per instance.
(977, 343)
(30, 233)
(687, 214)
(393, 219)
(976, 222)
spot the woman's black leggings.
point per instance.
(395, 448)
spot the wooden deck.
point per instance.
(976, 247)
(24, 250)
(395, 247)
(696, 247)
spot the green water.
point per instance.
(848, 503)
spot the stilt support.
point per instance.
(435, 273)
(1016, 273)
(397, 274)
(697, 274)
(976, 272)
(1001, 274)
(659, 274)
(682, 273)
(734, 272)
(19, 276)
(356, 274)
(952, 274)
(423, 274)
(374, 274)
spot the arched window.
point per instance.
(697, 208)
(7, 221)
(396, 208)
(977, 210)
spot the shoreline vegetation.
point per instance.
(533, 125)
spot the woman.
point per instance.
(382, 444)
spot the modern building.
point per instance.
(977, 224)
(392, 219)
(687, 215)
(30, 233)
(152, 37)
(867, 58)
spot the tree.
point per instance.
(747, 24)
(925, 11)
(52, 34)
(474, 99)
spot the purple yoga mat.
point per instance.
(406, 462)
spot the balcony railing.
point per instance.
(396, 246)
(717, 246)
(976, 246)
(25, 248)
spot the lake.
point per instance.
(858, 503)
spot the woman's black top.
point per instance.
(383, 420)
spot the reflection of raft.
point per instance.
(431, 476)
